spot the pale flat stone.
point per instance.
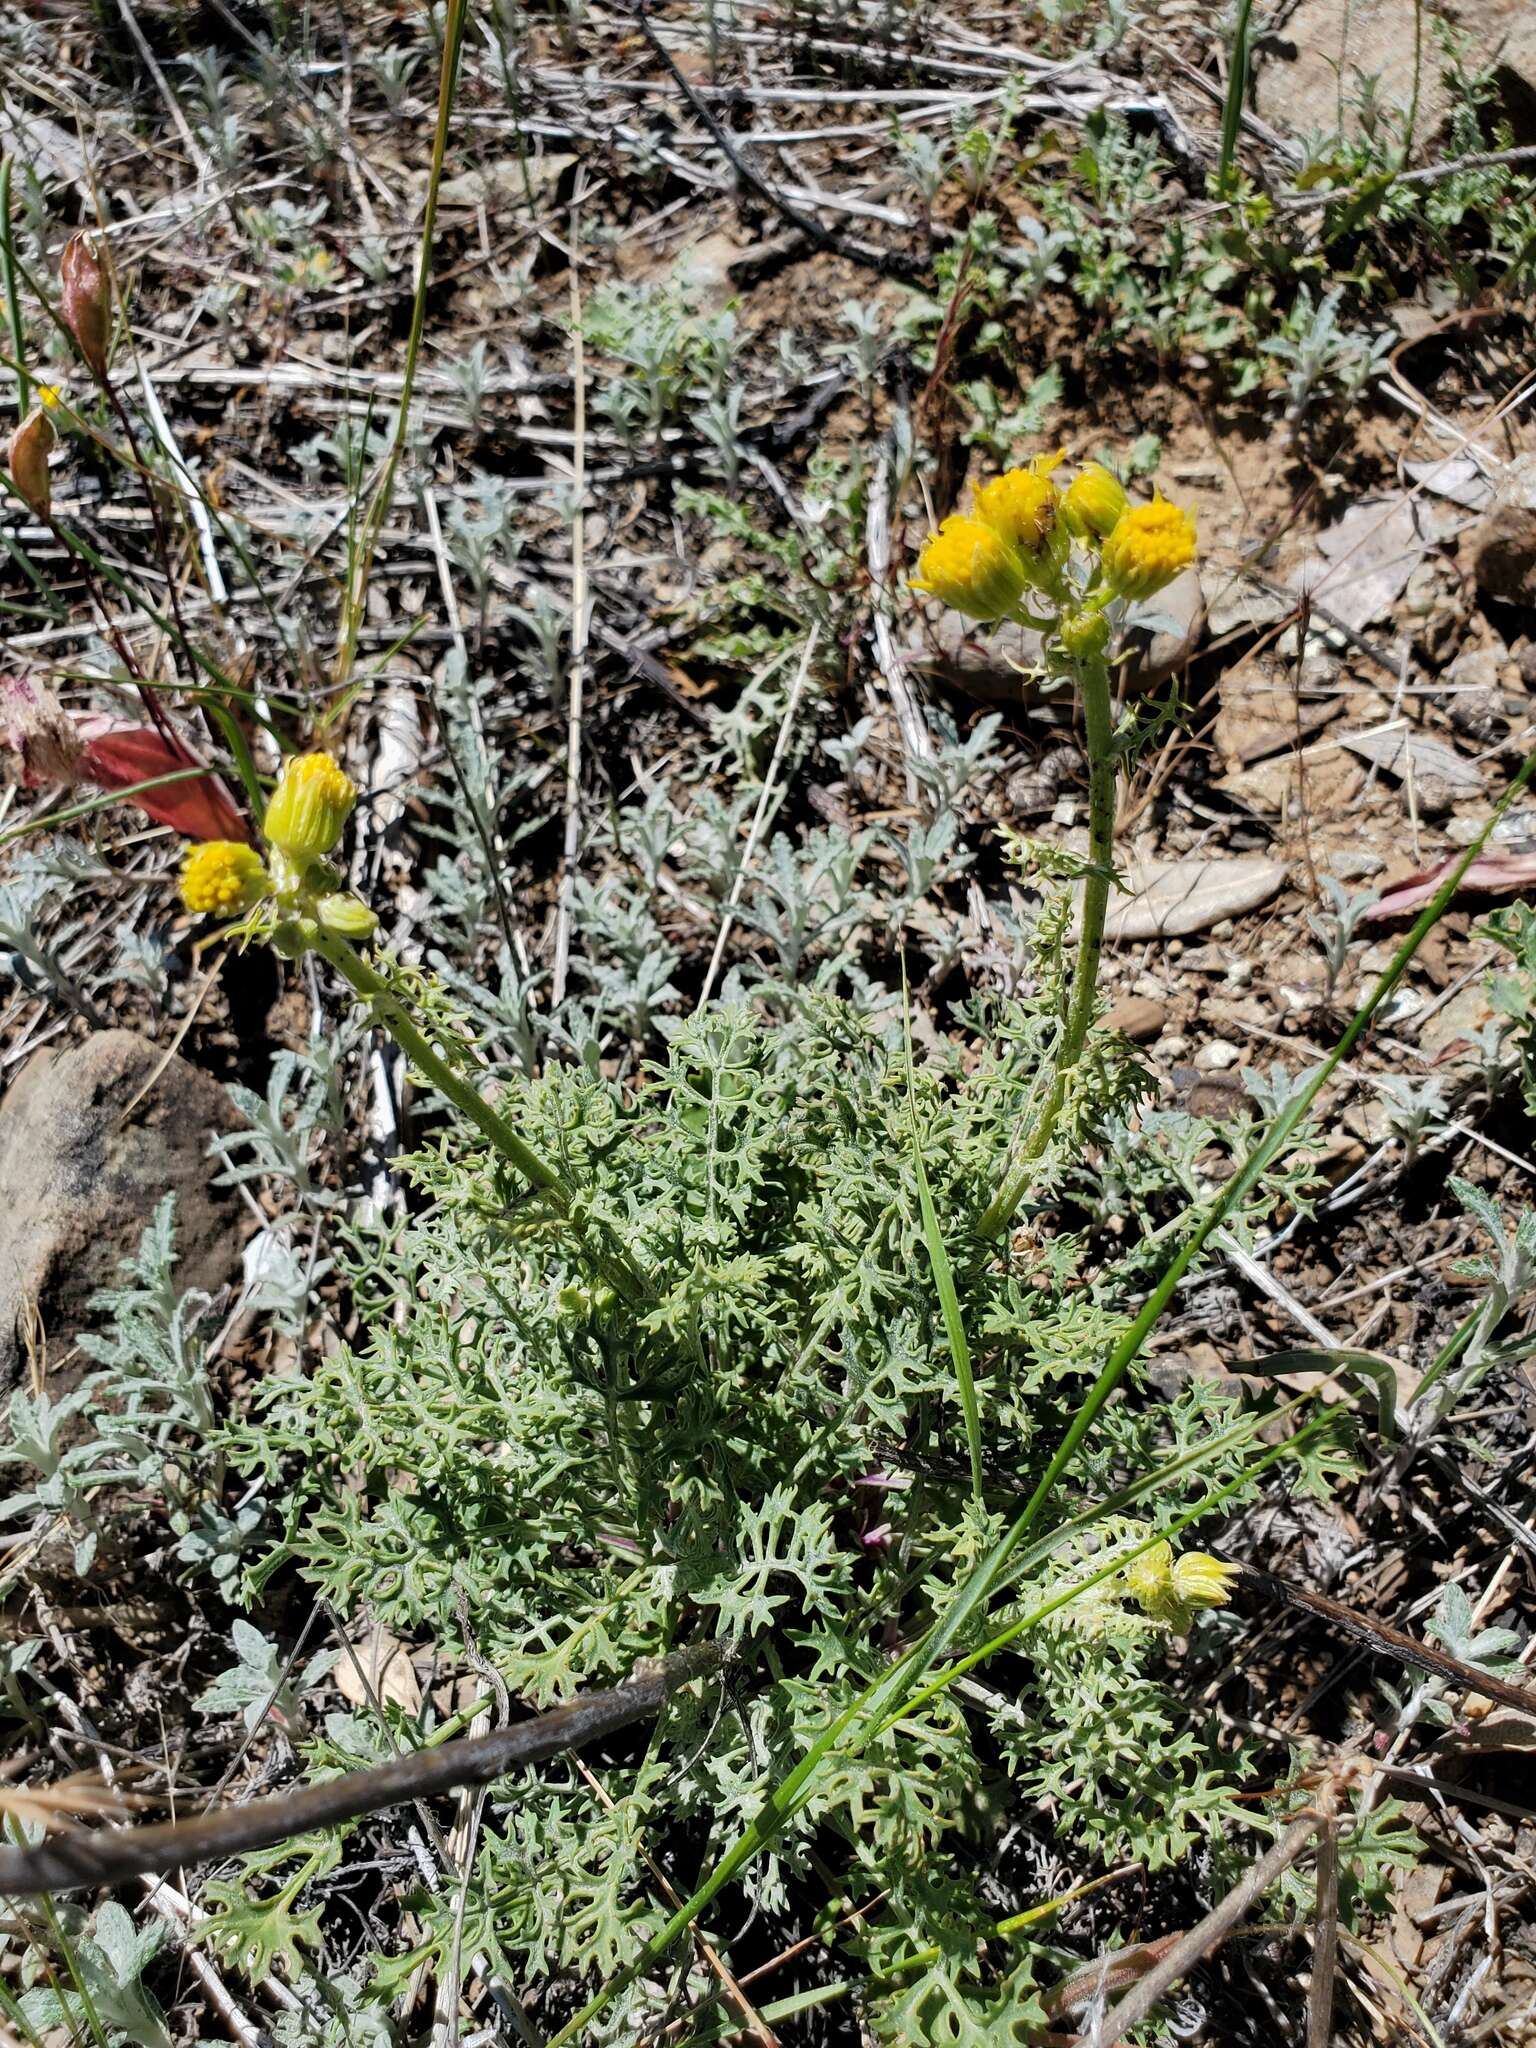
(1170, 898)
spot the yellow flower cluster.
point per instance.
(309, 807)
(221, 878)
(1019, 535)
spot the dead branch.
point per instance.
(72, 1861)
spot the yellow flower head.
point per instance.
(1150, 545)
(1020, 506)
(1200, 1580)
(966, 564)
(1094, 503)
(221, 878)
(309, 807)
(48, 396)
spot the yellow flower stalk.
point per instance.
(1094, 503)
(222, 878)
(309, 807)
(968, 566)
(1149, 546)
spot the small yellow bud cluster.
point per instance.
(304, 820)
(1172, 1589)
(1018, 540)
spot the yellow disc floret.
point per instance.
(1094, 503)
(1150, 545)
(221, 878)
(1021, 507)
(309, 807)
(968, 565)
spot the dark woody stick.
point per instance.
(78, 1859)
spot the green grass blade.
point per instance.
(70, 814)
(943, 1273)
(1237, 93)
(18, 333)
(383, 497)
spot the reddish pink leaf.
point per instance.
(117, 756)
(1495, 874)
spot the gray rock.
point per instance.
(994, 663)
(1173, 898)
(1503, 542)
(1168, 641)
(90, 1139)
(1474, 695)
(1312, 69)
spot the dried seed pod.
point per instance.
(27, 458)
(86, 300)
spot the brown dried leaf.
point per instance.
(378, 1667)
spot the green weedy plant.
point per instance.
(768, 1447)
(740, 1355)
(733, 1356)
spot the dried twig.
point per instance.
(888, 262)
(576, 682)
(1391, 1642)
(72, 1861)
(1325, 1935)
(1140, 2003)
(759, 816)
(888, 656)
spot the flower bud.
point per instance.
(1150, 1578)
(1200, 1580)
(221, 878)
(86, 300)
(1094, 503)
(1085, 633)
(1023, 507)
(309, 807)
(27, 458)
(344, 916)
(967, 566)
(1149, 546)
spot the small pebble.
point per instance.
(1216, 1057)
(1173, 1047)
(1137, 1017)
(1354, 863)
